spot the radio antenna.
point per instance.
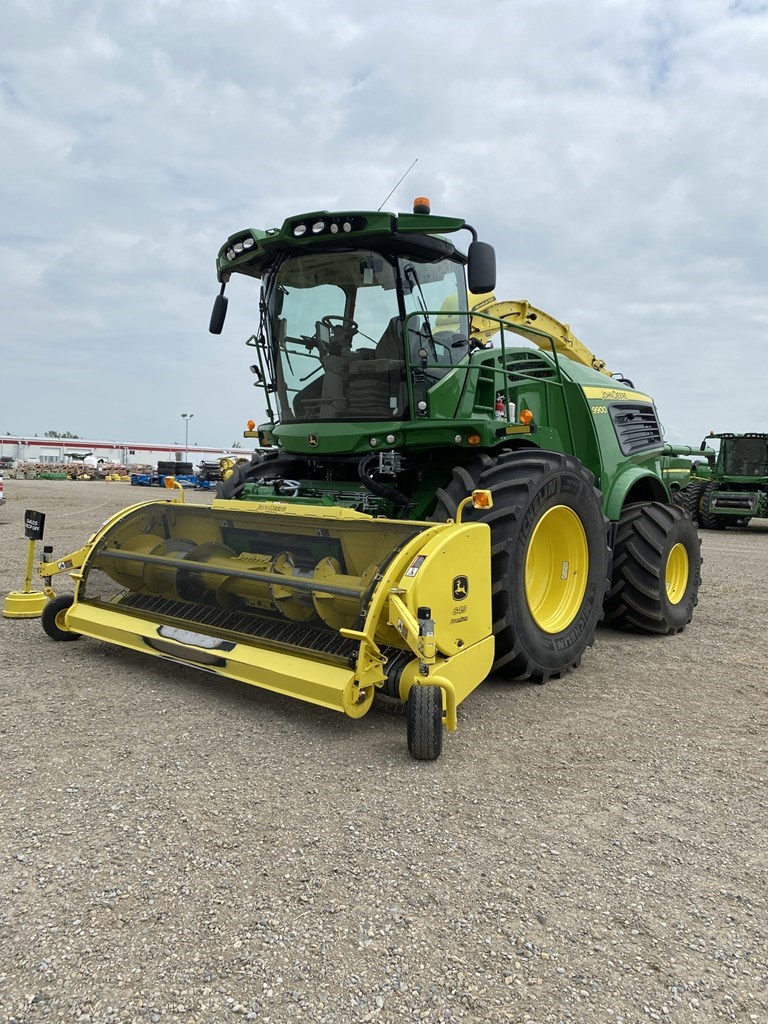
(386, 197)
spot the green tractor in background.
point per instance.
(731, 487)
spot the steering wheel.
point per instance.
(342, 321)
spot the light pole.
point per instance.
(186, 416)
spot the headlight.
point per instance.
(248, 243)
(299, 230)
(318, 226)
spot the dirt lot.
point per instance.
(177, 848)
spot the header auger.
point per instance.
(449, 486)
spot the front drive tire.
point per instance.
(656, 570)
(549, 556)
(52, 618)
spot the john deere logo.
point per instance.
(460, 588)
(312, 440)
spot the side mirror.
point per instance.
(481, 272)
(703, 446)
(218, 314)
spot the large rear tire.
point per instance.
(549, 556)
(656, 570)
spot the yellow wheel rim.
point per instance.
(676, 574)
(556, 569)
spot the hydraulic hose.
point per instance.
(392, 494)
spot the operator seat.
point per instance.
(376, 385)
(390, 344)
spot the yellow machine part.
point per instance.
(317, 603)
(520, 311)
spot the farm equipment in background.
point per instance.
(454, 486)
(212, 472)
(731, 487)
(207, 476)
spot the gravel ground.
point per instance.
(178, 848)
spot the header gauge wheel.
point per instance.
(425, 722)
(52, 618)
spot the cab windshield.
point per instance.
(745, 456)
(338, 323)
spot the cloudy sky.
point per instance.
(615, 152)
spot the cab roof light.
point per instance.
(325, 225)
(240, 246)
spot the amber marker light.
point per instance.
(482, 499)
(526, 417)
(474, 439)
(251, 424)
(422, 205)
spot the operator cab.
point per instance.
(348, 329)
(362, 314)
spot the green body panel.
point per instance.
(447, 404)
